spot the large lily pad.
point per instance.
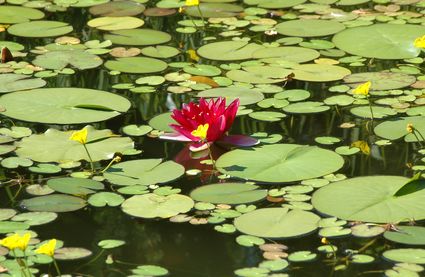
(136, 65)
(16, 14)
(138, 37)
(246, 96)
(319, 72)
(228, 193)
(151, 205)
(259, 74)
(63, 105)
(309, 27)
(40, 29)
(60, 59)
(414, 235)
(214, 10)
(279, 163)
(75, 186)
(288, 53)
(143, 172)
(381, 80)
(277, 223)
(382, 41)
(229, 50)
(53, 203)
(370, 199)
(118, 8)
(55, 146)
(405, 255)
(113, 23)
(14, 82)
(396, 128)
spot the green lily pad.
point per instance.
(35, 218)
(302, 256)
(113, 23)
(10, 226)
(319, 72)
(63, 105)
(259, 74)
(136, 65)
(75, 186)
(248, 241)
(55, 146)
(381, 41)
(405, 255)
(366, 230)
(143, 172)
(60, 59)
(279, 163)
(102, 199)
(277, 223)
(110, 243)
(362, 259)
(16, 14)
(267, 116)
(292, 54)
(151, 205)
(202, 70)
(162, 122)
(53, 203)
(134, 130)
(138, 37)
(306, 107)
(214, 10)
(396, 128)
(15, 162)
(274, 4)
(293, 95)
(45, 169)
(40, 29)
(381, 80)
(414, 235)
(370, 199)
(229, 50)
(119, 8)
(150, 270)
(160, 51)
(309, 27)
(14, 82)
(6, 214)
(228, 193)
(378, 111)
(246, 96)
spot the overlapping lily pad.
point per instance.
(60, 59)
(138, 37)
(370, 199)
(40, 29)
(229, 50)
(381, 41)
(55, 146)
(228, 193)
(309, 27)
(381, 80)
(277, 223)
(143, 172)
(16, 14)
(279, 163)
(63, 105)
(14, 82)
(53, 203)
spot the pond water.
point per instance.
(327, 181)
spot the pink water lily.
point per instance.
(207, 122)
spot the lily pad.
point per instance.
(406, 255)
(381, 41)
(319, 72)
(292, 54)
(277, 223)
(246, 96)
(63, 105)
(14, 82)
(136, 65)
(259, 74)
(228, 193)
(370, 199)
(40, 29)
(306, 107)
(35, 218)
(75, 186)
(151, 205)
(309, 27)
(53, 203)
(229, 50)
(138, 37)
(16, 14)
(274, 4)
(55, 146)
(60, 59)
(143, 172)
(279, 163)
(396, 128)
(214, 10)
(413, 235)
(113, 23)
(381, 80)
(71, 253)
(102, 199)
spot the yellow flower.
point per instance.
(410, 128)
(79, 136)
(363, 88)
(192, 55)
(201, 132)
(419, 42)
(47, 248)
(362, 145)
(16, 241)
(324, 240)
(191, 3)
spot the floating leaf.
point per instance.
(53, 203)
(228, 193)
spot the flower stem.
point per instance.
(91, 160)
(371, 110)
(110, 164)
(202, 17)
(56, 267)
(211, 157)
